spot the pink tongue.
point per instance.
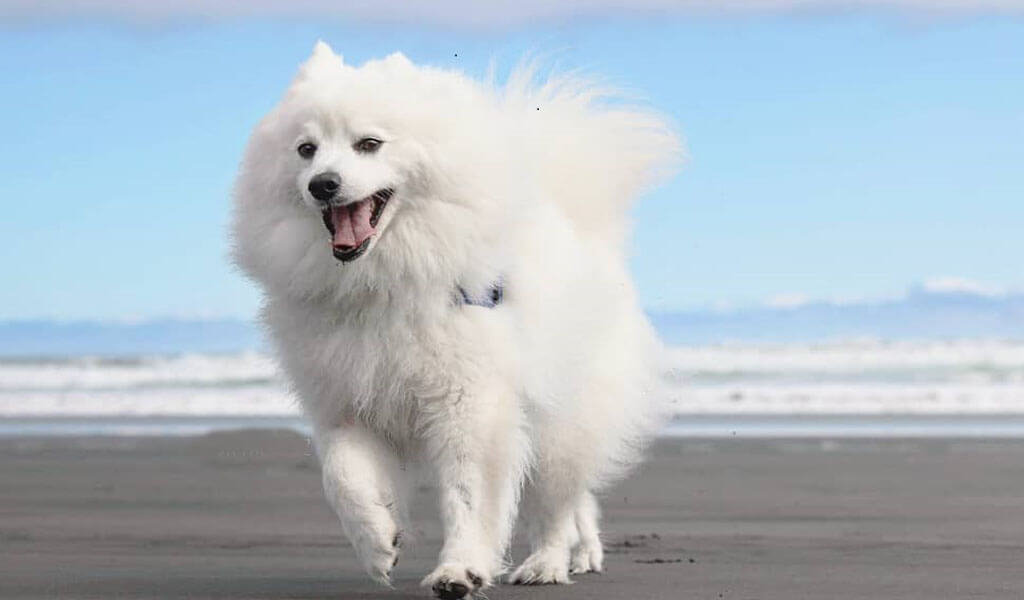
(352, 223)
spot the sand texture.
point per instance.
(240, 515)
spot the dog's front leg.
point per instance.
(360, 482)
(478, 449)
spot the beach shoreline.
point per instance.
(239, 514)
(685, 426)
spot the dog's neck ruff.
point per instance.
(491, 297)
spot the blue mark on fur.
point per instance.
(491, 298)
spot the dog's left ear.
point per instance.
(323, 57)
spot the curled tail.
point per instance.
(593, 151)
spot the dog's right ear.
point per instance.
(322, 58)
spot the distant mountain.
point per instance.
(157, 336)
(934, 311)
(931, 311)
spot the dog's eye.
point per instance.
(306, 150)
(368, 145)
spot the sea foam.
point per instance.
(857, 377)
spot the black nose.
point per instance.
(325, 186)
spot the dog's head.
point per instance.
(361, 172)
(352, 156)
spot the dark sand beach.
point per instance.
(240, 515)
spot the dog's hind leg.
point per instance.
(360, 478)
(558, 510)
(588, 554)
(549, 512)
(477, 447)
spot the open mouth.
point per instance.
(353, 225)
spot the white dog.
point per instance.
(446, 285)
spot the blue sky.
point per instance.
(832, 155)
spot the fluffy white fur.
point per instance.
(534, 404)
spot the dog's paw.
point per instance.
(452, 581)
(587, 558)
(379, 555)
(542, 567)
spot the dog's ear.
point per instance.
(322, 57)
(323, 50)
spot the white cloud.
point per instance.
(786, 301)
(471, 13)
(960, 285)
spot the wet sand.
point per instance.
(240, 515)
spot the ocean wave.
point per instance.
(844, 398)
(960, 361)
(860, 376)
(135, 372)
(264, 401)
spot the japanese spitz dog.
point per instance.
(446, 286)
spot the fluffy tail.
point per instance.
(592, 149)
